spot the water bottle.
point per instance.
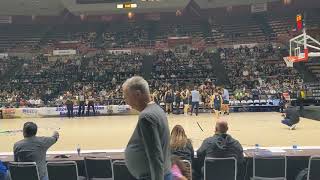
(78, 149)
(295, 148)
(256, 147)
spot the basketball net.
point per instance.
(288, 61)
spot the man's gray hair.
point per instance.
(137, 83)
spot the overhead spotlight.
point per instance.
(287, 2)
(130, 15)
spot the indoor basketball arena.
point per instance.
(160, 90)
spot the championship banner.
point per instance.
(260, 7)
(64, 52)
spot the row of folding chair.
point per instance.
(254, 102)
(96, 168)
(264, 168)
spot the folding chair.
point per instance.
(220, 168)
(62, 170)
(23, 171)
(269, 168)
(121, 172)
(314, 168)
(98, 168)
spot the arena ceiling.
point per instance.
(56, 7)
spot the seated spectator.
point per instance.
(221, 145)
(178, 169)
(180, 145)
(33, 148)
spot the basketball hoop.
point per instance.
(289, 60)
(301, 48)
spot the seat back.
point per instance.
(220, 168)
(314, 168)
(273, 167)
(121, 172)
(98, 167)
(62, 170)
(23, 171)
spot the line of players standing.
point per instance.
(81, 100)
(216, 99)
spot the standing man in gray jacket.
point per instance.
(148, 152)
(33, 148)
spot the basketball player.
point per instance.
(91, 104)
(81, 103)
(225, 97)
(69, 104)
(168, 98)
(186, 101)
(217, 103)
(195, 100)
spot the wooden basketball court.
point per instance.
(113, 132)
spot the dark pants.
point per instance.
(81, 108)
(178, 107)
(301, 109)
(195, 105)
(168, 177)
(91, 104)
(70, 110)
(300, 101)
(287, 122)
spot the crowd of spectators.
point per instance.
(258, 71)
(49, 80)
(43, 81)
(181, 67)
(125, 36)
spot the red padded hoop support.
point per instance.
(297, 59)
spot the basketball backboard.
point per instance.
(301, 48)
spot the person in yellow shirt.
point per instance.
(301, 98)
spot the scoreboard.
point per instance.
(299, 22)
(127, 6)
